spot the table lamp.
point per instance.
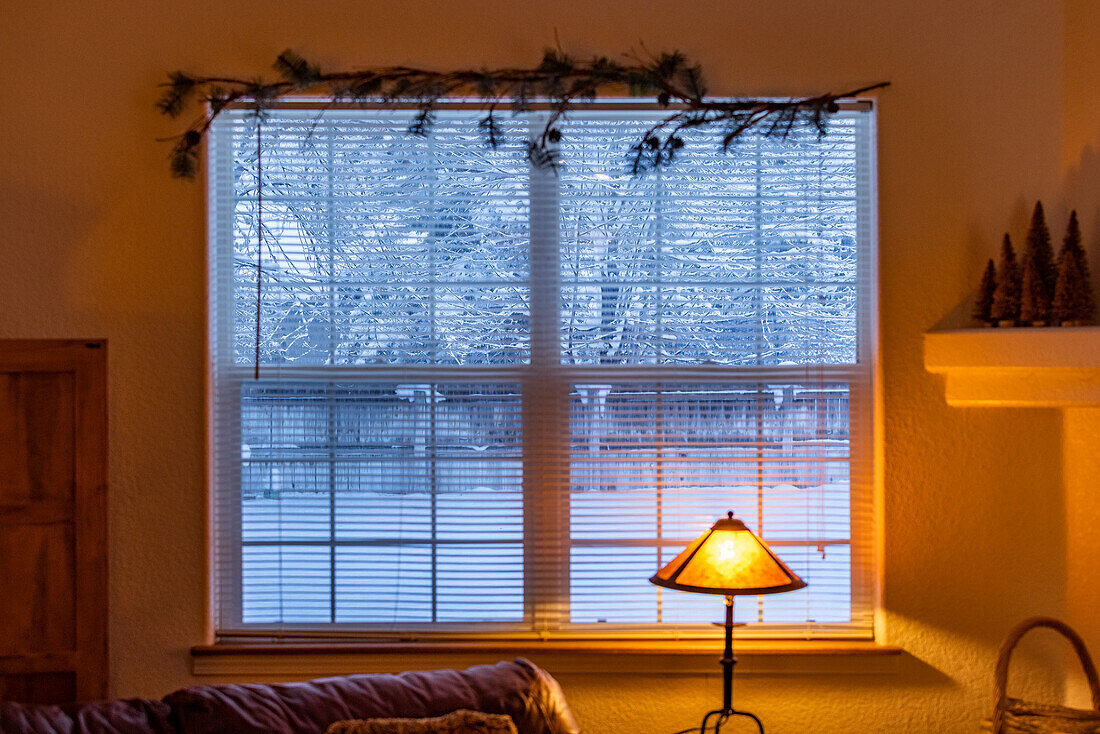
(728, 560)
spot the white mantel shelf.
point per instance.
(1017, 367)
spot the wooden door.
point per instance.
(53, 520)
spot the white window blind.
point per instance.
(494, 399)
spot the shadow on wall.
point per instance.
(1082, 192)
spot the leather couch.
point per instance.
(520, 689)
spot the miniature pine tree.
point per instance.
(984, 302)
(1068, 298)
(1033, 303)
(1039, 249)
(1006, 297)
(1071, 247)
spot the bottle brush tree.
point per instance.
(983, 304)
(1069, 299)
(1038, 248)
(1006, 297)
(1034, 305)
(1077, 302)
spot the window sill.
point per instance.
(769, 657)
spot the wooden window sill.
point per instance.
(770, 657)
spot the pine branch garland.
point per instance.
(559, 80)
(179, 90)
(296, 70)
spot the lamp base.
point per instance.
(728, 661)
(722, 715)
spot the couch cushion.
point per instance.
(133, 716)
(519, 689)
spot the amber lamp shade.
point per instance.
(728, 560)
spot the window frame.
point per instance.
(543, 284)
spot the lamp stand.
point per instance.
(728, 661)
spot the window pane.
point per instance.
(398, 486)
(282, 583)
(384, 584)
(653, 466)
(739, 259)
(608, 585)
(479, 582)
(381, 247)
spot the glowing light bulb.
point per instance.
(727, 551)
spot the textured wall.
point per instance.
(98, 241)
(1081, 428)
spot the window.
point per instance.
(494, 399)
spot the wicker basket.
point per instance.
(1013, 716)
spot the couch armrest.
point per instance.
(131, 716)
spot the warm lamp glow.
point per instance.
(728, 559)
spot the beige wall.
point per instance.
(985, 115)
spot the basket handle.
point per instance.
(1000, 673)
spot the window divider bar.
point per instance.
(545, 413)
